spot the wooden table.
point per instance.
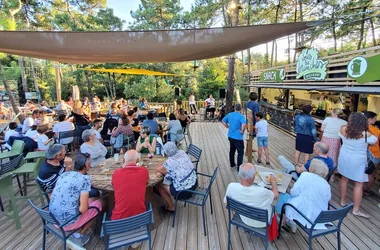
(286, 178)
(101, 179)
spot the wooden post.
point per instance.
(58, 81)
(250, 132)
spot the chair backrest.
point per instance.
(333, 215)
(212, 180)
(38, 165)
(45, 215)
(18, 146)
(194, 151)
(328, 177)
(128, 224)
(10, 165)
(163, 119)
(44, 190)
(250, 212)
(65, 134)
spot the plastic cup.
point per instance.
(116, 157)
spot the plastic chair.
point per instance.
(195, 152)
(186, 132)
(16, 150)
(125, 232)
(45, 191)
(328, 177)
(257, 214)
(199, 197)
(51, 224)
(325, 217)
(25, 170)
(6, 188)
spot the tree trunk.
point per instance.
(272, 55)
(9, 92)
(114, 85)
(89, 85)
(374, 43)
(361, 36)
(334, 31)
(275, 52)
(231, 65)
(296, 35)
(274, 41)
(249, 66)
(23, 76)
(35, 80)
(301, 19)
(288, 49)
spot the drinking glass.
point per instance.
(150, 156)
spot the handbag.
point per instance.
(273, 229)
(370, 168)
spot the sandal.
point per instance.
(268, 163)
(360, 214)
(166, 209)
(344, 204)
(258, 161)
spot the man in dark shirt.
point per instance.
(55, 164)
(253, 105)
(129, 184)
(320, 149)
(151, 123)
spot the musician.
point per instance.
(210, 106)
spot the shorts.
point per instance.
(183, 195)
(372, 158)
(90, 214)
(262, 141)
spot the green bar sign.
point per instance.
(310, 67)
(364, 70)
(275, 75)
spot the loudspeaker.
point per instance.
(176, 92)
(222, 93)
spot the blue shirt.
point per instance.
(304, 124)
(235, 120)
(152, 124)
(254, 106)
(329, 162)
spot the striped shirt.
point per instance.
(48, 174)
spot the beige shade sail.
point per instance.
(142, 46)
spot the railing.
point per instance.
(336, 70)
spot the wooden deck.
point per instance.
(358, 233)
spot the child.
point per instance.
(43, 141)
(10, 132)
(261, 127)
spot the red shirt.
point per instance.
(129, 184)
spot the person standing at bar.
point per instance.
(236, 124)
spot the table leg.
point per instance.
(25, 187)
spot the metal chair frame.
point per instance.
(328, 177)
(328, 216)
(195, 152)
(199, 198)
(139, 226)
(49, 223)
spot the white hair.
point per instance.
(319, 167)
(247, 173)
(131, 156)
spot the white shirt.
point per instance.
(332, 127)
(211, 102)
(255, 196)
(311, 195)
(27, 124)
(42, 138)
(262, 128)
(191, 99)
(32, 134)
(61, 127)
(8, 134)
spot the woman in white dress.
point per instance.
(352, 159)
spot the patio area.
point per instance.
(357, 233)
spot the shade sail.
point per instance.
(143, 46)
(133, 72)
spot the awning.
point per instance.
(143, 46)
(133, 72)
(343, 89)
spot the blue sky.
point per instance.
(122, 8)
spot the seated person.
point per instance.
(123, 129)
(210, 106)
(44, 107)
(71, 195)
(252, 195)
(310, 194)
(29, 121)
(114, 112)
(96, 125)
(5, 113)
(174, 126)
(183, 118)
(132, 118)
(10, 132)
(179, 174)
(56, 163)
(62, 126)
(320, 149)
(151, 123)
(43, 141)
(63, 108)
(146, 143)
(126, 179)
(93, 147)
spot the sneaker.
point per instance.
(292, 225)
(75, 241)
(85, 238)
